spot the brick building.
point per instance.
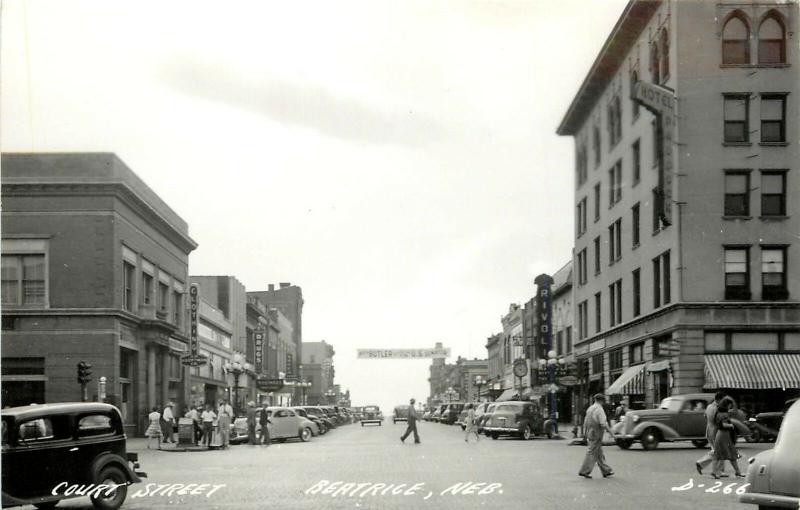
(318, 370)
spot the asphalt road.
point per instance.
(539, 473)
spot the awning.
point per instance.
(631, 382)
(752, 371)
(658, 366)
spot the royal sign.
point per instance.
(403, 353)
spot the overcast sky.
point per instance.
(397, 160)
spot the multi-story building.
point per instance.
(513, 348)
(261, 334)
(495, 367)
(686, 253)
(318, 370)
(470, 370)
(94, 269)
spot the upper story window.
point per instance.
(655, 63)
(128, 275)
(615, 183)
(773, 273)
(581, 216)
(581, 165)
(23, 280)
(597, 202)
(737, 193)
(773, 118)
(736, 40)
(737, 118)
(636, 150)
(614, 122)
(771, 40)
(773, 193)
(737, 272)
(597, 143)
(664, 55)
(634, 103)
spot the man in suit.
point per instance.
(264, 420)
(594, 424)
(412, 424)
(251, 423)
(711, 433)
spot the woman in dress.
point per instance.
(724, 445)
(154, 427)
(469, 424)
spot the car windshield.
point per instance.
(506, 407)
(789, 435)
(671, 404)
(370, 409)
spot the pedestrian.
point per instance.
(724, 441)
(264, 421)
(224, 423)
(594, 424)
(168, 422)
(469, 424)
(208, 416)
(711, 432)
(251, 423)
(154, 427)
(620, 411)
(193, 415)
(412, 424)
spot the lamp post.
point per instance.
(555, 365)
(331, 395)
(237, 368)
(479, 382)
(450, 393)
(303, 384)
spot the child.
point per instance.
(154, 429)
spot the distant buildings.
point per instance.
(318, 370)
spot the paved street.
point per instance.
(540, 470)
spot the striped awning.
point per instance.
(752, 371)
(631, 382)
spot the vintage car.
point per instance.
(400, 413)
(765, 426)
(50, 449)
(450, 414)
(438, 412)
(678, 418)
(318, 428)
(774, 475)
(286, 424)
(372, 414)
(321, 416)
(515, 418)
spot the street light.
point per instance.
(303, 385)
(479, 382)
(331, 395)
(237, 368)
(450, 394)
(555, 366)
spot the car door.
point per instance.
(44, 454)
(280, 424)
(691, 419)
(293, 423)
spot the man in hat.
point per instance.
(168, 423)
(412, 424)
(251, 423)
(593, 425)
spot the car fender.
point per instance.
(667, 432)
(106, 459)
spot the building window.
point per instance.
(737, 118)
(773, 118)
(615, 183)
(581, 216)
(664, 55)
(736, 40)
(597, 201)
(597, 143)
(666, 271)
(637, 162)
(614, 122)
(583, 319)
(582, 269)
(635, 225)
(615, 359)
(656, 282)
(128, 272)
(147, 288)
(597, 364)
(597, 255)
(655, 63)
(569, 340)
(656, 130)
(773, 273)
(615, 241)
(634, 103)
(737, 193)
(598, 312)
(636, 353)
(581, 165)
(773, 193)
(560, 343)
(615, 303)
(771, 40)
(163, 296)
(737, 272)
(637, 292)
(177, 312)
(23, 280)
(656, 210)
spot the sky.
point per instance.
(397, 160)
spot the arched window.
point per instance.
(635, 107)
(664, 55)
(655, 64)
(736, 40)
(771, 40)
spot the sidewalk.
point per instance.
(139, 444)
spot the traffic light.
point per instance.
(84, 372)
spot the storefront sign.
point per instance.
(258, 341)
(403, 353)
(266, 384)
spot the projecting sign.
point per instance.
(258, 343)
(403, 353)
(268, 384)
(194, 358)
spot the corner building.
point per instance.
(686, 259)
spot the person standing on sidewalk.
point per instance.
(251, 423)
(168, 421)
(208, 418)
(153, 428)
(224, 423)
(469, 424)
(593, 425)
(264, 421)
(711, 432)
(412, 424)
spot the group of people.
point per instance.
(721, 434)
(263, 422)
(161, 425)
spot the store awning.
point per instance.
(631, 382)
(752, 371)
(658, 366)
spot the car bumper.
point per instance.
(760, 498)
(504, 430)
(372, 420)
(624, 436)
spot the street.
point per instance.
(295, 475)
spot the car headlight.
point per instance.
(635, 418)
(752, 419)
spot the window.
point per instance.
(597, 144)
(569, 340)
(614, 111)
(655, 63)
(147, 288)
(656, 200)
(560, 343)
(737, 194)
(637, 292)
(736, 40)
(597, 255)
(657, 282)
(598, 312)
(773, 273)
(615, 359)
(737, 272)
(597, 201)
(95, 424)
(163, 296)
(664, 55)
(597, 364)
(773, 118)
(128, 272)
(583, 320)
(23, 280)
(773, 193)
(615, 241)
(581, 165)
(582, 269)
(581, 216)
(634, 103)
(635, 225)
(637, 162)
(655, 127)
(771, 41)
(615, 303)
(615, 183)
(177, 311)
(737, 118)
(636, 353)
(666, 284)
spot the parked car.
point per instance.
(678, 418)
(372, 414)
(482, 412)
(319, 427)
(322, 416)
(774, 475)
(765, 426)
(400, 413)
(437, 414)
(287, 424)
(427, 415)
(515, 418)
(451, 411)
(50, 447)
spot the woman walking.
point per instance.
(724, 446)
(469, 424)
(154, 427)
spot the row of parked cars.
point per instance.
(522, 419)
(298, 422)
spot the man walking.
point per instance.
(224, 423)
(412, 424)
(711, 433)
(168, 422)
(251, 423)
(263, 418)
(593, 425)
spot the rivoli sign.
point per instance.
(544, 313)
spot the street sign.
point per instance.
(520, 367)
(267, 384)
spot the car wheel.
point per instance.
(45, 506)
(463, 427)
(305, 435)
(495, 435)
(754, 437)
(650, 439)
(526, 433)
(624, 443)
(111, 475)
(700, 443)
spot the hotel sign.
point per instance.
(661, 101)
(403, 353)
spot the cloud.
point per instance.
(306, 105)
